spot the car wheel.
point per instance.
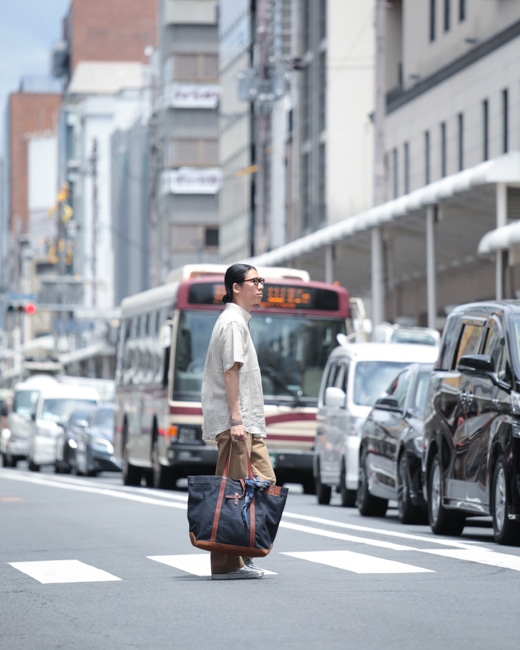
(368, 505)
(7, 461)
(442, 521)
(506, 531)
(131, 474)
(33, 466)
(162, 476)
(323, 492)
(348, 497)
(308, 485)
(406, 511)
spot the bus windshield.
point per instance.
(292, 352)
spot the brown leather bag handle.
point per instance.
(228, 461)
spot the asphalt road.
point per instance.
(90, 564)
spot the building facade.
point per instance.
(451, 127)
(296, 134)
(185, 170)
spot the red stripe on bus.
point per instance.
(290, 417)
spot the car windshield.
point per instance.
(59, 409)
(24, 402)
(372, 378)
(103, 418)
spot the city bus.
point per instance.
(163, 339)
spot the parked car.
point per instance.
(95, 450)
(388, 333)
(53, 408)
(471, 461)
(391, 446)
(67, 439)
(14, 442)
(356, 374)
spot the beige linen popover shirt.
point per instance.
(231, 343)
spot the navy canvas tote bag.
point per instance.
(234, 517)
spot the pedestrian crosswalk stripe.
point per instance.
(357, 562)
(480, 556)
(61, 571)
(195, 563)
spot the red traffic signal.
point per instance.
(28, 308)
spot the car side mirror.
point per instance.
(387, 403)
(476, 364)
(335, 397)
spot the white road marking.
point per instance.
(347, 538)
(357, 562)
(62, 571)
(479, 556)
(197, 564)
(465, 550)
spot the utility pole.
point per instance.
(377, 270)
(95, 218)
(261, 115)
(156, 246)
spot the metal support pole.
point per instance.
(431, 279)
(501, 208)
(95, 219)
(378, 309)
(329, 263)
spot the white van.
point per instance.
(53, 408)
(356, 374)
(14, 443)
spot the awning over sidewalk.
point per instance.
(500, 239)
(407, 238)
(505, 169)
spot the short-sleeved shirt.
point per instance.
(231, 343)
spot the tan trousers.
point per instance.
(262, 467)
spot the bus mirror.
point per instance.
(165, 336)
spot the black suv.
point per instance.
(471, 462)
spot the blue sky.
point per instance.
(28, 29)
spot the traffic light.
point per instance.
(24, 307)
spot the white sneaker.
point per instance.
(245, 573)
(248, 561)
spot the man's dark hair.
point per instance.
(235, 273)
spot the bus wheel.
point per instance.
(162, 476)
(131, 473)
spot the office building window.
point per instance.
(202, 68)
(485, 129)
(426, 157)
(505, 121)
(460, 140)
(395, 166)
(306, 26)
(186, 152)
(447, 12)
(443, 149)
(211, 237)
(323, 19)
(323, 91)
(322, 183)
(432, 19)
(306, 190)
(462, 10)
(406, 156)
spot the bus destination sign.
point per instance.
(279, 296)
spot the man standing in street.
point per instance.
(232, 399)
